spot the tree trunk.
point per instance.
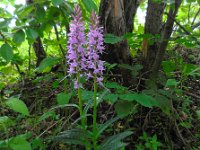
(39, 51)
(37, 45)
(116, 17)
(130, 9)
(165, 36)
(153, 27)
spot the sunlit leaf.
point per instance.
(47, 64)
(17, 106)
(56, 2)
(171, 83)
(24, 11)
(31, 34)
(6, 52)
(63, 98)
(90, 5)
(4, 23)
(19, 37)
(40, 13)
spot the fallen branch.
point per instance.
(193, 95)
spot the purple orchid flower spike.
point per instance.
(76, 53)
(95, 47)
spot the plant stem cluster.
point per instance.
(83, 59)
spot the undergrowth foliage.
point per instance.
(74, 100)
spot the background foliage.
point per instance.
(38, 100)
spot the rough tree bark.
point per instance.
(37, 45)
(130, 9)
(153, 26)
(39, 51)
(116, 17)
(165, 36)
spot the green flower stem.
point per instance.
(83, 123)
(95, 115)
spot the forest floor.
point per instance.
(151, 127)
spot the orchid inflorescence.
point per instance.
(84, 49)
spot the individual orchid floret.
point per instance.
(95, 47)
(76, 42)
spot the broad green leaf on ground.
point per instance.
(19, 37)
(19, 143)
(37, 143)
(114, 85)
(128, 96)
(146, 100)
(6, 52)
(90, 5)
(63, 98)
(124, 108)
(112, 39)
(111, 97)
(164, 103)
(17, 106)
(143, 99)
(87, 95)
(5, 122)
(168, 66)
(171, 83)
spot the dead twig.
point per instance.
(193, 95)
(50, 127)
